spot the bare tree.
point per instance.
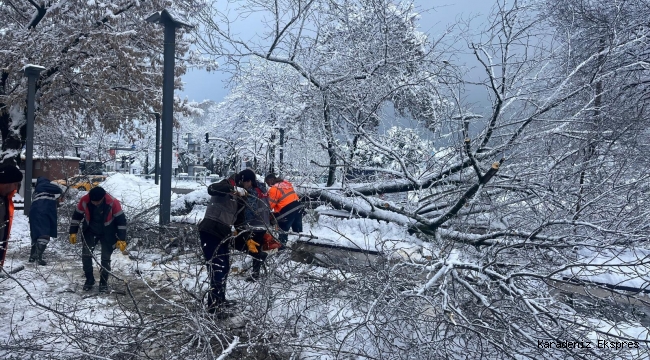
(357, 56)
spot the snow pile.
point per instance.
(367, 234)
(194, 216)
(133, 192)
(188, 184)
(136, 194)
(187, 201)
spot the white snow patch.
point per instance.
(625, 267)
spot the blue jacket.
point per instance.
(43, 214)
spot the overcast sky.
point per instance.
(200, 85)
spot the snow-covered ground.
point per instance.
(35, 301)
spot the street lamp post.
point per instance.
(171, 22)
(281, 166)
(157, 165)
(32, 72)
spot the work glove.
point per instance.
(240, 191)
(73, 239)
(121, 244)
(252, 246)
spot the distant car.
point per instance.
(82, 182)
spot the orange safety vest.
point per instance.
(5, 243)
(281, 195)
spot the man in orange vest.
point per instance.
(285, 205)
(10, 178)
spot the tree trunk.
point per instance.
(12, 143)
(331, 151)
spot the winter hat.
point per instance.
(248, 175)
(10, 174)
(96, 193)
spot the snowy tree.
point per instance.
(497, 205)
(524, 235)
(102, 62)
(356, 56)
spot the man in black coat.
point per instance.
(215, 231)
(103, 223)
(43, 217)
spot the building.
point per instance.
(53, 167)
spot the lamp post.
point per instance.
(157, 161)
(32, 72)
(271, 156)
(281, 165)
(171, 22)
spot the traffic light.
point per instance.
(123, 161)
(207, 138)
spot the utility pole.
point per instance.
(32, 72)
(271, 153)
(157, 165)
(281, 165)
(171, 22)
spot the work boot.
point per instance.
(88, 285)
(90, 281)
(221, 306)
(40, 249)
(226, 304)
(220, 313)
(103, 287)
(257, 266)
(217, 299)
(32, 254)
(222, 309)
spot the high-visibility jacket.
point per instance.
(10, 215)
(281, 195)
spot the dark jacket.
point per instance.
(257, 211)
(43, 213)
(224, 209)
(114, 222)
